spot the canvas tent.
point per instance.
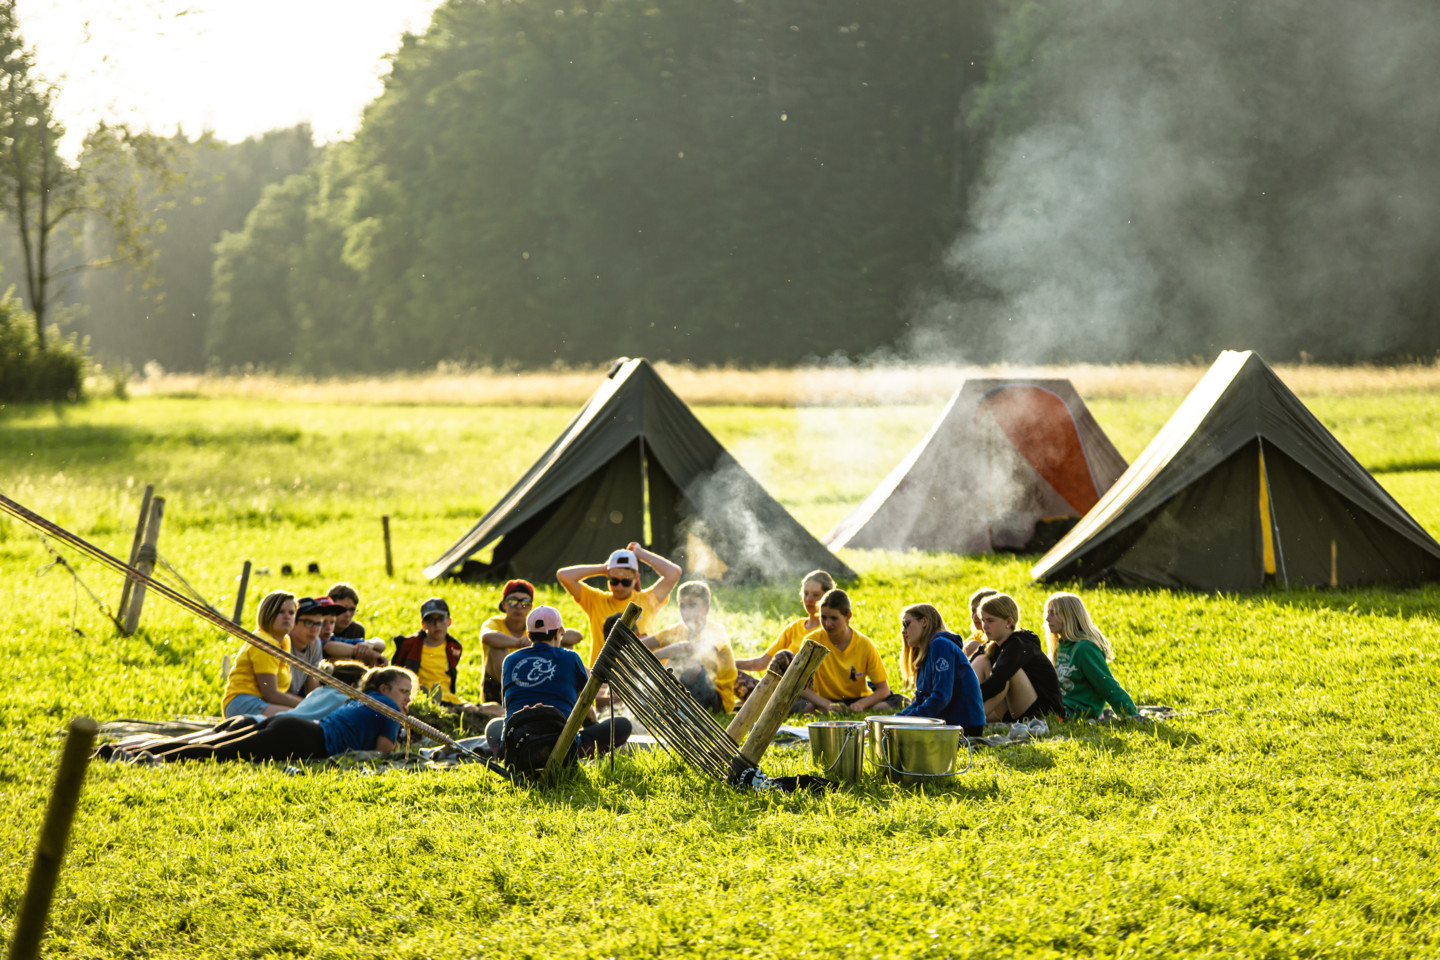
(1243, 486)
(1003, 456)
(635, 453)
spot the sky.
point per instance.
(235, 67)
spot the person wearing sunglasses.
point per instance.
(306, 641)
(507, 632)
(622, 571)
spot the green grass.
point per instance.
(1301, 821)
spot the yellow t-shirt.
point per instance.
(790, 638)
(714, 654)
(599, 604)
(842, 675)
(495, 658)
(435, 668)
(250, 661)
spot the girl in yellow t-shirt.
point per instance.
(813, 587)
(852, 677)
(259, 683)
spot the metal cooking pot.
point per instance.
(874, 726)
(835, 748)
(912, 755)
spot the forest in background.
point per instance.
(761, 183)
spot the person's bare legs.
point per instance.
(981, 665)
(1018, 696)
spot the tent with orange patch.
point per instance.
(1004, 457)
(1244, 487)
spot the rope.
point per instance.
(219, 620)
(196, 595)
(64, 564)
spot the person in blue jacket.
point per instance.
(945, 684)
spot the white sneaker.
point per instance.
(1039, 728)
(1019, 731)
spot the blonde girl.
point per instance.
(945, 688)
(1017, 680)
(1080, 651)
(259, 684)
(813, 587)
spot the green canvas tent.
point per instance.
(1243, 487)
(635, 453)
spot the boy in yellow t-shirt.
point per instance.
(623, 572)
(700, 649)
(434, 655)
(507, 633)
(852, 677)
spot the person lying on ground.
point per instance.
(697, 650)
(623, 572)
(1079, 651)
(258, 682)
(815, 585)
(435, 655)
(976, 640)
(1017, 680)
(945, 684)
(852, 677)
(353, 727)
(502, 635)
(547, 673)
(307, 640)
(318, 704)
(346, 626)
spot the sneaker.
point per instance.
(1039, 728)
(1019, 731)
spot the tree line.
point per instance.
(771, 181)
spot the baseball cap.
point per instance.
(312, 605)
(434, 605)
(623, 558)
(543, 620)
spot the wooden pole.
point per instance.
(389, 563)
(801, 669)
(240, 594)
(630, 617)
(50, 851)
(750, 709)
(145, 563)
(135, 548)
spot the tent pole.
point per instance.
(1270, 503)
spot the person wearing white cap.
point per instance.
(623, 572)
(547, 673)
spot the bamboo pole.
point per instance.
(50, 851)
(135, 549)
(750, 709)
(801, 669)
(145, 563)
(630, 617)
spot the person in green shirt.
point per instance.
(1079, 651)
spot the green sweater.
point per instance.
(1086, 683)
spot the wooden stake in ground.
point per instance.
(389, 563)
(750, 709)
(50, 851)
(135, 549)
(630, 617)
(145, 563)
(801, 669)
(240, 594)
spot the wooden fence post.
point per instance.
(240, 594)
(389, 563)
(135, 548)
(145, 563)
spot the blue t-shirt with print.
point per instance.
(947, 687)
(355, 726)
(541, 673)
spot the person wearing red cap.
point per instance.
(623, 572)
(503, 634)
(546, 673)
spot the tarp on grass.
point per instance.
(635, 452)
(1003, 456)
(1243, 487)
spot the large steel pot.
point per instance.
(835, 748)
(913, 755)
(874, 726)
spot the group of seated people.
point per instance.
(998, 673)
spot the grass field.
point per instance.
(1300, 821)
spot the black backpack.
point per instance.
(530, 735)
